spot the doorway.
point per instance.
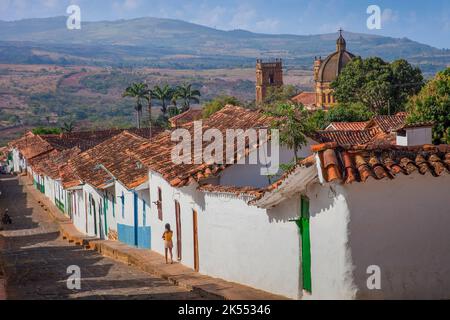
(178, 227)
(196, 254)
(304, 226)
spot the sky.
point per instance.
(423, 21)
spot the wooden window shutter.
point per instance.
(160, 213)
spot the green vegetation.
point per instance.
(164, 94)
(277, 95)
(384, 88)
(46, 130)
(219, 103)
(141, 93)
(433, 104)
(353, 112)
(186, 94)
(292, 122)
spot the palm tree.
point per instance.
(149, 106)
(140, 92)
(163, 94)
(68, 127)
(187, 95)
(292, 122)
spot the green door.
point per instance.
(303, 224)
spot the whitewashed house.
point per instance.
(216, 234)
(379, 217)
(111, 191)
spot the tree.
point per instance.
(218, 103)
(163, 94)
(292, 122)
(140, 92)
(353, 112)
(68, 127)
(277, 95)
(45, 131)
(433, 104)
(382, 87)
(186, 94)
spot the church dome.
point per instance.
(334, 63)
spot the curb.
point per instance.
(208, 287)
(3, 295)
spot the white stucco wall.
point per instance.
(190, 199)
(248, 245)
(243, 175)
(402, 226)
(234, 239)
(331, 264)
(416, 137)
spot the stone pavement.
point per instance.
(35, 260)
(150, 261)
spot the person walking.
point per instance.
(6, 219)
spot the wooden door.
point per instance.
(196, 255)
(178, 226)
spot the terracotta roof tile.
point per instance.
(347, 126)
(348, 137)
(388, 123)
(237, 191)
(308, 99)
(157, 154)
(186, 117)
(114, 156)
(360, 165)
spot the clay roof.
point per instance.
(31, 145)
(305, 98)
(348, 137)
(3, 153)
(356, 164)
(157, 154)
(186, 117)
(50, 163)
(113, 155)
(352, 126)
(237, 191)
(388, 123)
(360, 164)
(85, 140)
(292, 182)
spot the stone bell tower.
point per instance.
(268, 74)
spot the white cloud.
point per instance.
(389, 15)
(127, 5)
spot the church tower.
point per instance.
(268, 74)
(326, 71)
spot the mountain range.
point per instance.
(178, 44)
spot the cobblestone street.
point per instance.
(35, 260)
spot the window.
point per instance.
(123, 205)
(113, 201)
(159, 205)
(271, 79)
(144, 212)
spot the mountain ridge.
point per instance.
(161, 42)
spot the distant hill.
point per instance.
(178, 44)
